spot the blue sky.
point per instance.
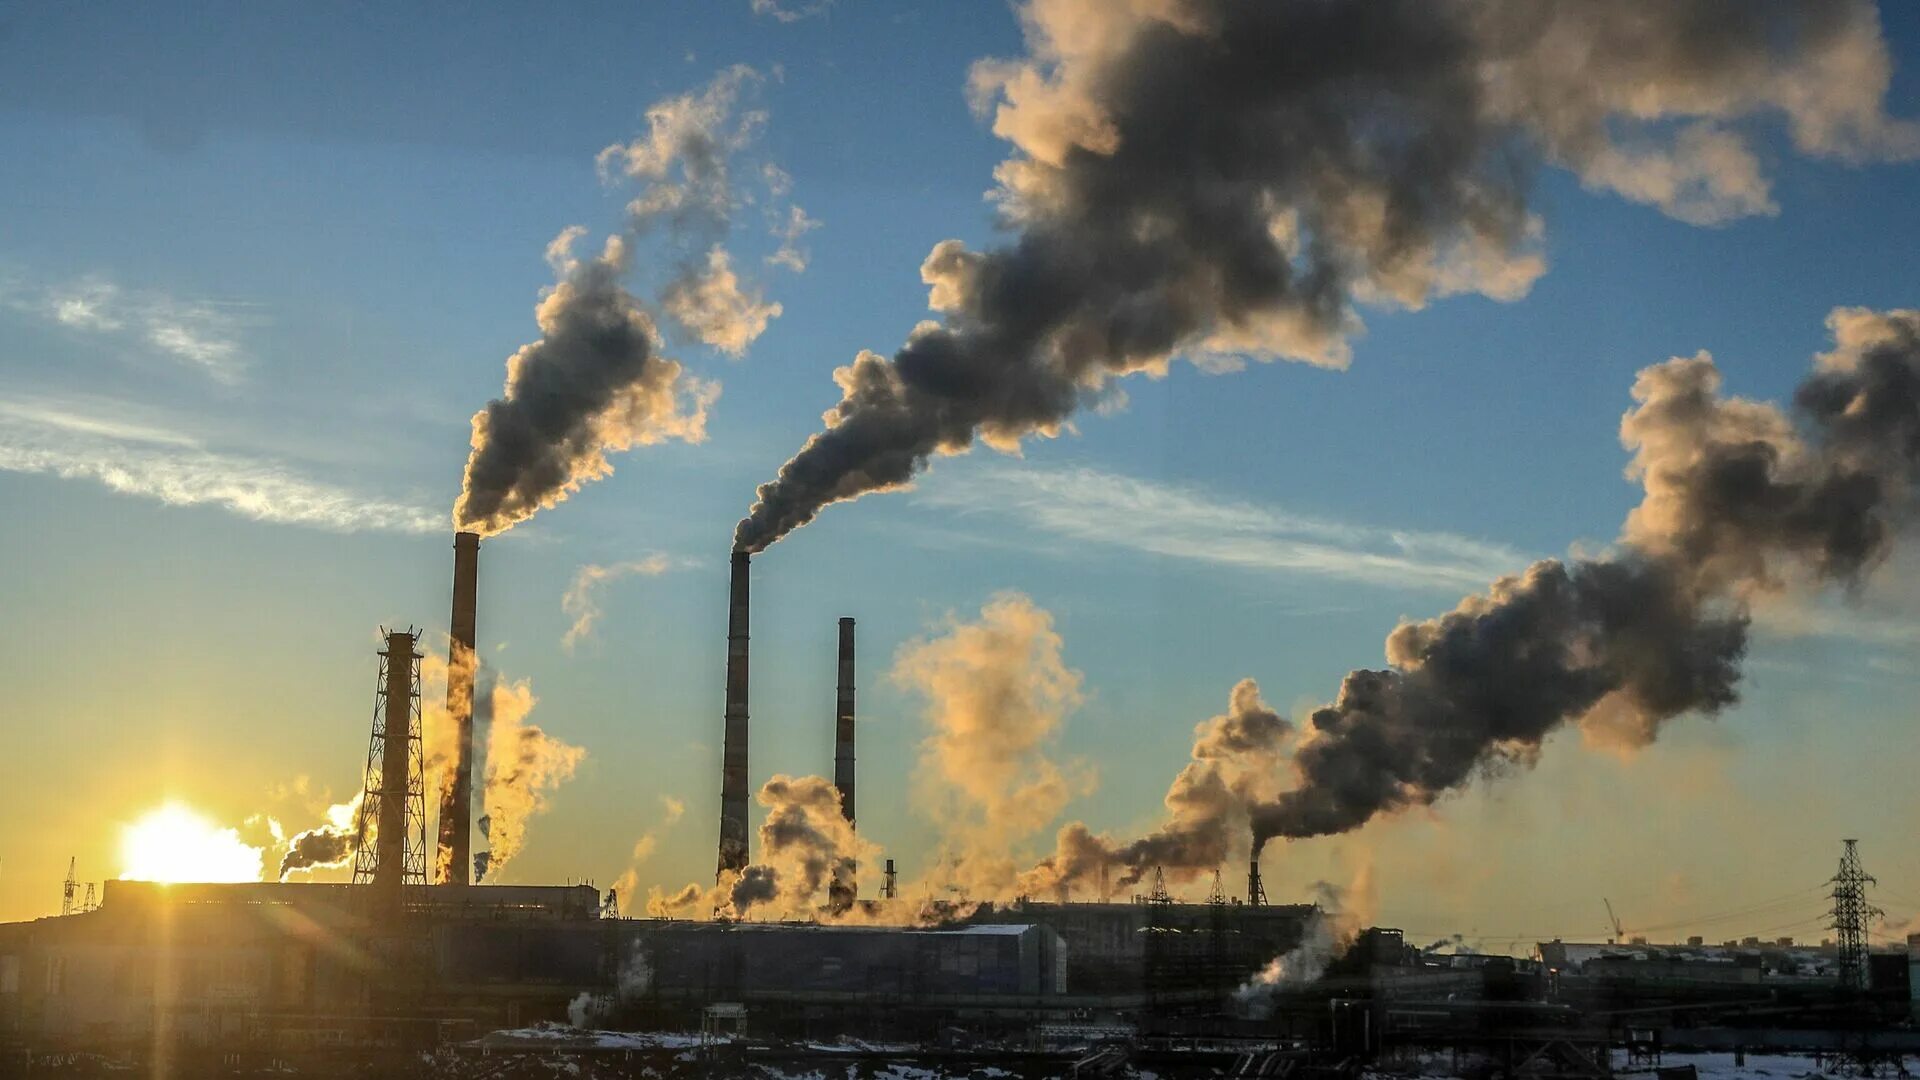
(304, 245)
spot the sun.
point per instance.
(174, 844)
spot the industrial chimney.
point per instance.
(399, 739)
(456, 802)
(845, 887)
(843, 723)
(733, 755)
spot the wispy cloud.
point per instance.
(151, 462)
(205, 335)
(787, 11)
(582, 598)
(1186, 523)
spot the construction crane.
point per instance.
(1619, 936)
(68, 888)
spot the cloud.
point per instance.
(790, 254)
(1184, 523)
(202, 334)
(582, 601)
(177, 470)
(790, 12)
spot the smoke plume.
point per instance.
(805, 842)
(687, 165)
(524, 766)
(1742, 499)
(330, 844)
(592, 384)
(1219, 180)
(997, 692)
(626, 887)
(581, 601)
(1235, 763)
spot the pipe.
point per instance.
(390, 842)
(845, 887)
(456, 797)
(733, 755)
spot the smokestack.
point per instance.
(846, 886)
(733, 756)
(843, 723)
(456, 802)
(1256, 892)
(390, 839)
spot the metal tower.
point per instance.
(68, 888)
(1219, 893)
(390, 839)
(1851, 913)
(1256, 892)
(1159, 895)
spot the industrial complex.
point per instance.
(417, 961)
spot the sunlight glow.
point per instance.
(175, 844)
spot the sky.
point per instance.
(259, 268)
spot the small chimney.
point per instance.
(846, 886)
(390, 837)
(456, 803)
(733, 755)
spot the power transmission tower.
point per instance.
(391, 835)
(1159, 895)
(1851, 913)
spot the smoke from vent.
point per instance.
(524, 766)
(805, 844)
(1220, 180)
(997, 692)
(328, 845)
(1235, 763)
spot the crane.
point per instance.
(1619, 935)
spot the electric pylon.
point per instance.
(1851, 913)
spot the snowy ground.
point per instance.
(1718, 1066)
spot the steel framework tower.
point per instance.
(1851, 912)
(393, 812)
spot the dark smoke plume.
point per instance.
(328, 845)
(1236, 759)
(1742, 499)
(324, 846)
(1216, 179)
(594, 382)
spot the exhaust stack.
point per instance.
(397, 747)
(846, 886)
(456, 802)
(733, 755)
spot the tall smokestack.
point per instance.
(846, 886)
(390, 837)
(456, 801)
(733, 756)
(843, 722)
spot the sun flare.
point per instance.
(173, 843)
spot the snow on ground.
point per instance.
(566, 1036)
(1717, 1066)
